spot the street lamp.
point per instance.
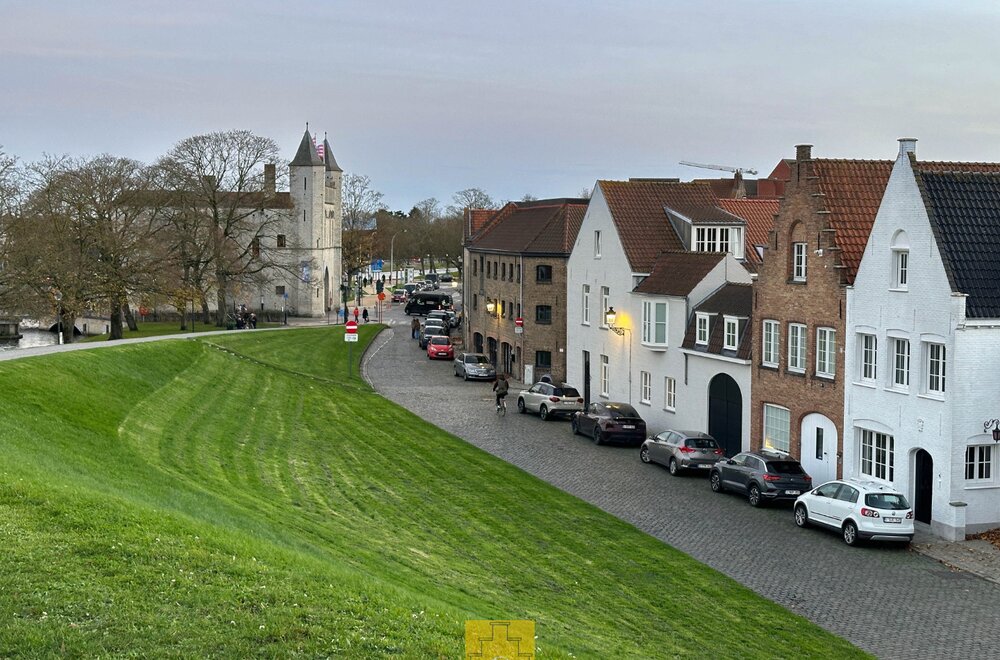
(392, 260)
(491, 306)
(609, 319)
(59, 315)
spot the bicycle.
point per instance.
(502, 406)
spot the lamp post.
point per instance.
(995, 423)
(392, 254)
(59, 316)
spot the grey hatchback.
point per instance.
(681, 450)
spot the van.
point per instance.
(422, 302)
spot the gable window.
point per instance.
(796, 347)
(799, 262)
(901, 363)
(701, 329)
(900, 260)
(869, 358)
(543, 359)
(645, 387)
(979, 463)
(597, 244)
(543, 274)
(731, 334)
(654, 323)
(605, 375)
(777, 427)
(281, 240)
(877, 455)
(935, 368)
(670, 394)
(826, 352)
(586, 305)
(605, 304)
(719, 239)
(769, 345)
(543, 314)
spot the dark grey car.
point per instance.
(430, 330)
(761, 476)
(682, 450)
(474, 365)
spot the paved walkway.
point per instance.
(891, 601)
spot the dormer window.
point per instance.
(701, 329)
(731, 335)
(719, 239)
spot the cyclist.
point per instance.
(500, 386)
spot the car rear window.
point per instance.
(701, 443)
(622, 410)
(566, 391)
(893, 501)
(439, 341)
(785, 467)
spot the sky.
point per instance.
(516, 97)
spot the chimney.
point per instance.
(803, 162)
(269, 179)
(907, 146)
(803, 152)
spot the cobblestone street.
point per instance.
(888, 600)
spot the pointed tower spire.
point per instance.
(306, 155)
(331, 162)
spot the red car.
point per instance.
(440, 348)
(399, 295)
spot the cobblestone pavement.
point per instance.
(890, 601)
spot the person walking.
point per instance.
(364, 314)
(415, 328)
(355, 314)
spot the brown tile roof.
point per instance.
(732, 300)
(758, 214)
(539, 228)
(475, 219)
(677, 272)
(637, 210)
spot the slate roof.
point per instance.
(637, 210)
(306, 154)
(540, 227)
(732, 300)
(677, 273)
(964, 212)
(331, 162)
(758, 216)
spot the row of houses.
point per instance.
(844, 311)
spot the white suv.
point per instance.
(859, 510)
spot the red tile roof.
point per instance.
(637, 210)
(475, 219)
(758, 214)
(539, 227)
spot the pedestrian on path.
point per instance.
(415, 328)
(355, 314)
(364, 315)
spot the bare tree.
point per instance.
(470, 198)
(361, 203)
(222, 198)
(585, 193)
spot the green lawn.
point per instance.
(239, 495)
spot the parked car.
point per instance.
(440, 315)
(761, 476)
(454, 320)
(430, 330)
(548, 400)
(859, 510)
(412, 287)
(610, 421)
(445, 278)
(399, 295)
(474, 365)
(439, 347)
(681, 450)
(432, 278)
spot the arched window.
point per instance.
(900, 260)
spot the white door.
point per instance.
(818, 451)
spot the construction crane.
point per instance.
(724, 168)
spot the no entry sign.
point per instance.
(350, 331)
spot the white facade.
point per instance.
(937, 400)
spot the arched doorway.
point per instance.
(923, 486)
(818, 447)
(477, 343)
(725, 413)
(491, 348)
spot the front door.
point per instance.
(923, 486)
(818, 447)
(491, 347)
(725, 414)
(586, 379)
(508, 364)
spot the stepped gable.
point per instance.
(964, 212)
(637, 209)
(678, 272)
(537, 227)
(758, 216)
(730, 300)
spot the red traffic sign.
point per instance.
(519, 322)
(381, 295)
(351, 328)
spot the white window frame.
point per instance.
(670, 394)
(736, 243)
(826, 352)
(651, 326)
(777, 427)
(701, 329)
(980, 469)
(800, 264)
(719, 239)
(867, 357)
(797, 340)
(900, 269)
(900, 372)
(876, 454)
(585, 313)
(935, 368)
(605, 376)
(645, 387)
(770, 343)
(605, 304)
(730, 333)
(597, 243)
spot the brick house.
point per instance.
(516, 268)
(799, 306)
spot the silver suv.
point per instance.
(682, 450)
(547, 400)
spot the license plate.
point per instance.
(628, 426)
(792, 492)
(892, 520)
(702, 465)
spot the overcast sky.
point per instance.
(513, 97)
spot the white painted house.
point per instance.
(634, 254)
(922, 355)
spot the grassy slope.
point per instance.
(177, 499)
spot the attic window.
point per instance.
(719, 239)
(701, 333)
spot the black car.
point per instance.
(445, 278)
(610, 421)
(761, 476)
